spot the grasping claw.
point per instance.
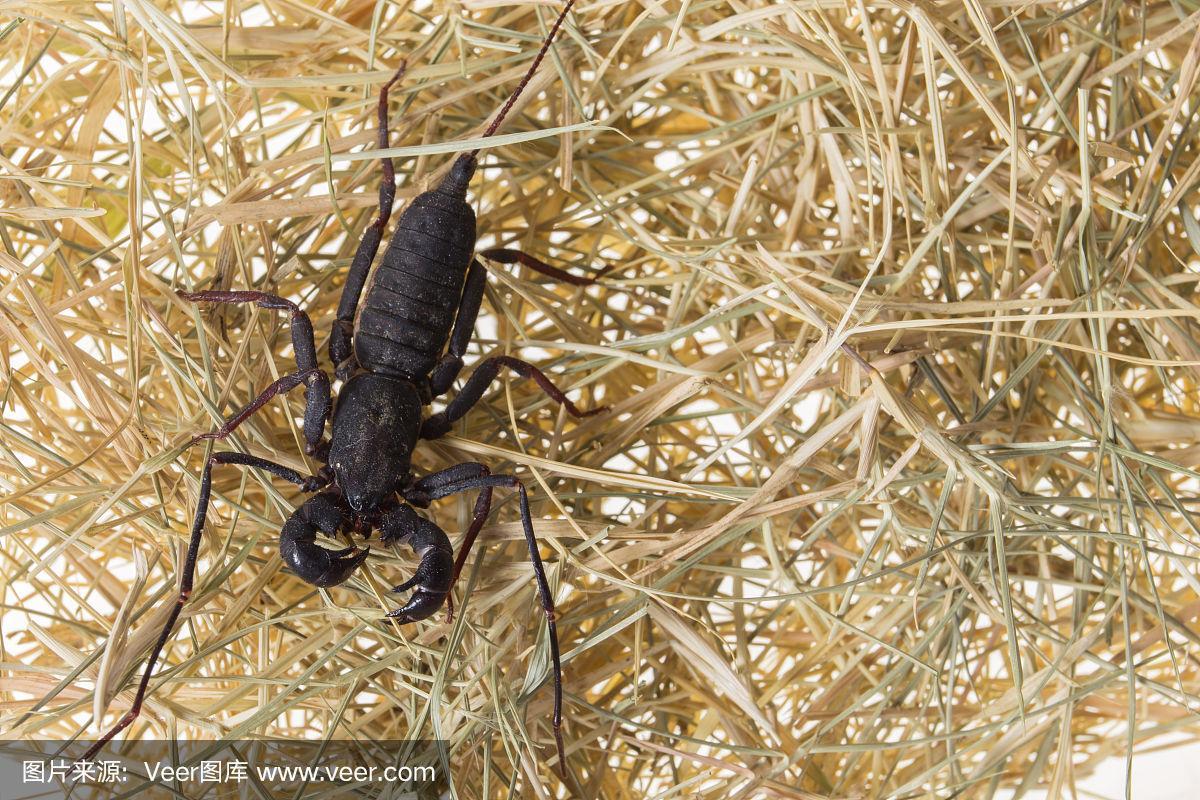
(435, 572)
(298, 547)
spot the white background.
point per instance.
(1172, 774)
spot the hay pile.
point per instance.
(781, 572)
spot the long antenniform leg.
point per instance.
(360, 267)
(440, 485)
(308, 484)
(438, 424)
(483, 508)
(317, 395)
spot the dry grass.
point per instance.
(779, 574)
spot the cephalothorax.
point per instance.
(400, 349)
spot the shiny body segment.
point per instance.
(415, 291)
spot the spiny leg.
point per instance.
(315, 413)
(483, 508)
(309, 483)
(506, 255)
(356, 279)
(317, 399)
(486, 481)
(438, 424)
(447, 369)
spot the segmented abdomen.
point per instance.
(410, 304)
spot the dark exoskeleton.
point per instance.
(403, 347)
